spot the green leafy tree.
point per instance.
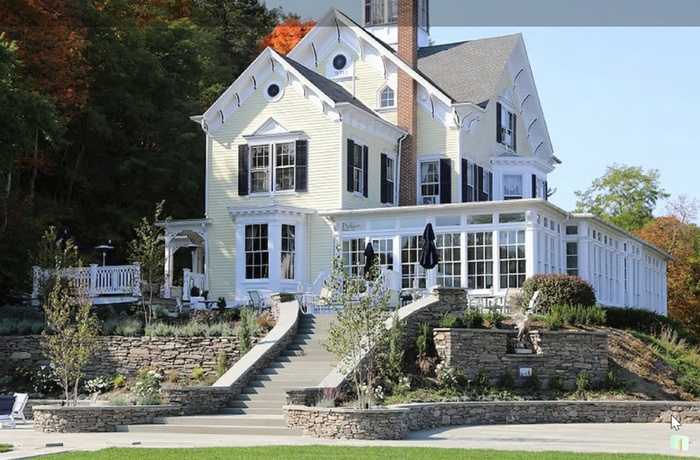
(53, 256)
(148, 249)
(624, 195)
(72, 336)
(359, 335)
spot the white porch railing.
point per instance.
(95, 280)
(190, 280)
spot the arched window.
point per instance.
(387, 98)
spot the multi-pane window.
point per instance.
(353, 256)
(486, 185)
(449, 272)
(572, 258)
(279, 170)
(384, 251)
(284, 166)
(540, 188)
(480, 260)
(511, 248)
(257, 255)
(411, 272)
(507, 128)
(288, 249)
(387, 98)
(430, 182)
(260, 168)
(512, 186)
(381, 12)
(357, 168)
(390, 174)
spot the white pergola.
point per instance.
(191, 234)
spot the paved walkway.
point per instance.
(642, 438)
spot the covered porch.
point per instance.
(185, 244)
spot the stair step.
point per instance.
(313, 354)
(206, 429)
(276, 420)
(262, 404)
(251, 411)
(283, 384)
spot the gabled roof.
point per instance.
(330, 93)
(468, 71)
(330, 88)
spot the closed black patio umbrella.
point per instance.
(369, 259)
(429, 254)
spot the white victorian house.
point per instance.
(366, 133)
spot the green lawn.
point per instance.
(339, 452)
(5, 447)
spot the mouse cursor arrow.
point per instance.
(675, 424)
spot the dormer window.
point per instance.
(387, 98)
(505, 126)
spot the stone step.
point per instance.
(312, 354)
(207, 429)
(289, 366)
(251, 410)
(267, 391)
(261, 404)
(283, 384)
(276, 420)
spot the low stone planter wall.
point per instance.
(95, 419)
(341, 423)
(395, 422)
(197, 400)
(558, 353)
(32, 403)
(126, 355)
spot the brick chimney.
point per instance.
(406, 101)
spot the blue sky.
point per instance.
(622, 95)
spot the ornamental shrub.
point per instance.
(556, 289)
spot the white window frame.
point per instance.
(379, 14)
(380, 98)
(540, 189)
(435, 199)
(391, 176)
(266, 251)
(508, 121)
(503, 182)
(358, 144)
(272, 168)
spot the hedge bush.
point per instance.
(644, 321)
(559, 289)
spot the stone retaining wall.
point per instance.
(340, 423)
(561, 353)
(126, 355)
(396, 421)
(95, 419)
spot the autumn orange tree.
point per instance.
(287, 34)
(680, 238)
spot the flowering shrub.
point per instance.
(148, 383)
(451, 378)
(97, 385)
(558, 289)
(370, 395)
(45, 381)
(402, 387)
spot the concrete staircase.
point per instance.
(257, 410)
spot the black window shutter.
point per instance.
(383, 183)
(467, 193)
(243, 170)
(515, 137)
(351, 150)
(490, 186)
(301, 175)
(534, 186)
(445, 181)
(475, 189)
(546, 191)
(498, 123)
(480, 184)
(365, 170)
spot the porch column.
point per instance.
(168, 269)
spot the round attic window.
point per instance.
(273, 92)
(340, 61)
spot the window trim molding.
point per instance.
(271, 141)
(426, 158)
(503, 186)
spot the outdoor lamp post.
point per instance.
(104, 248)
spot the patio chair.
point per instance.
(180, 305)
(18, 407)
(7, 403)
(258, 299)
(501, 303)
